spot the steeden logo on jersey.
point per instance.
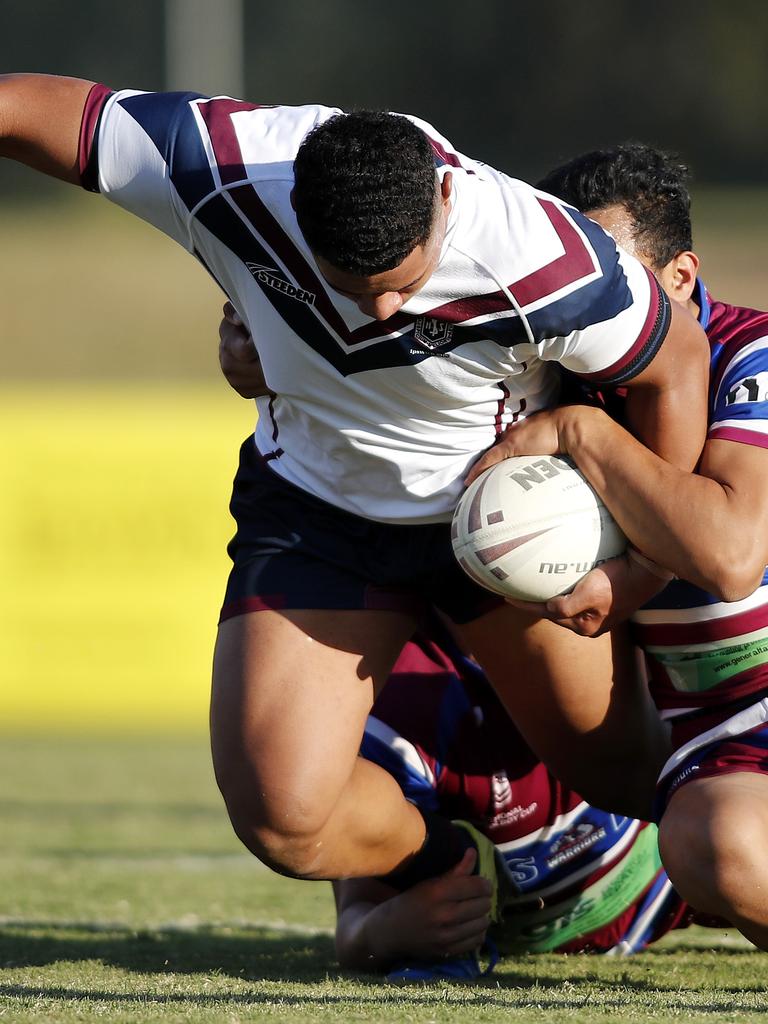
(276, 279)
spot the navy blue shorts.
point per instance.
(292, 550)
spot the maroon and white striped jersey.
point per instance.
(703, 653)
(585, 879)
(381, 419)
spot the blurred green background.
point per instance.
(118, 440)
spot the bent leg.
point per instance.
(713, 839)
(291, 692)
(580, 704)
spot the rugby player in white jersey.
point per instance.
(407, 304)
(705, 635)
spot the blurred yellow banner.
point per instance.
(113, 527)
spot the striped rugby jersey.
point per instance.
(700, 651)
(439, 729)
(380, 419)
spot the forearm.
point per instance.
(666, 406)
(672, 425)
(670, 515)
(367, 937)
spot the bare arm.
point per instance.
(441, 917)
(40, 119)
(709, 527)
(666, 405)
(365, 938)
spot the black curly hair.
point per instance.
(650, 184)
(366, 190)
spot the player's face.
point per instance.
(380, 296)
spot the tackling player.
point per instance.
(408, 303)
(586, 880)
(705, 635)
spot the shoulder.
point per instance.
(198, 143)
(233, 127)
(739, 339)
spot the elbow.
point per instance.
(735, 574)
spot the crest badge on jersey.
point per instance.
(432, 333)
(501, 791)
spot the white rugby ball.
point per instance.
(530, 527)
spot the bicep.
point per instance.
(742, 472)
(682, 360)
(40, 118)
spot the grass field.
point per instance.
(126, 898)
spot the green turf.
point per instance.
(125, 898)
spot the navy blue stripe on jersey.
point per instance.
(293, 260)
(454, 706)
(680, 595)
(588, 305)
(578, 262)
(702, 300)
(655, 330)
(169, 121)
(198, 256)
(572, 845)
(400, 350)
(652, 914)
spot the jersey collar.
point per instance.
(701, 298)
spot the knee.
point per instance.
(292, 852)
(713, 849)
(283, 828)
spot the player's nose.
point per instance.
(380, 307)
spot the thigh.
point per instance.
(579, 702)
(712, 839)
(291, 691)
(720, 809)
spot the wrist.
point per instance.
(381, 936)
(575, 425)
(662, 574)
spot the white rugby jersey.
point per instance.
(381, 419)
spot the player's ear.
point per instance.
(678, 277)
(446, 186)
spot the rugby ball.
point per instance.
(530, 527)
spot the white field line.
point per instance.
(181, 861)
(188, 923)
